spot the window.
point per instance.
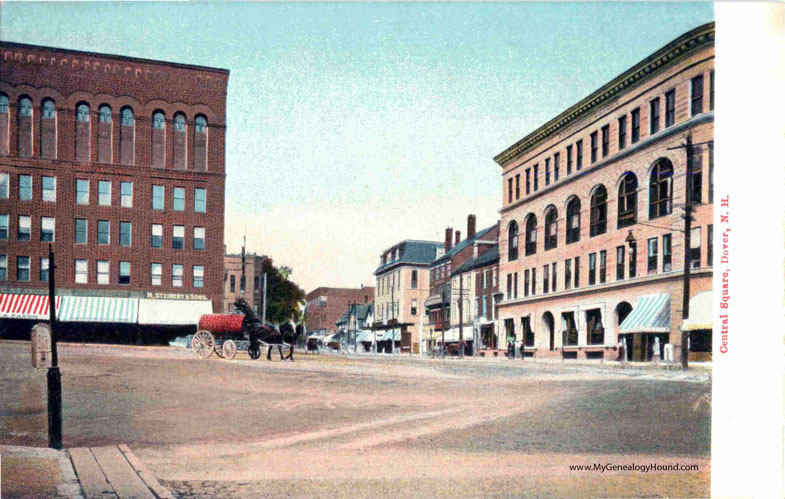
(104, 114)
(124, 277)
(199, 244)
(661, 189)
(518, 186)
(157, 236)
(22, 268)
(622, 132)
(545, 278)
(627, 200)
(104, 134)
(592, 269)
(103, 232)
(82, 132)
(177, 275)
(178, 199)
(43, 270)
(82, 112)
(553, 277)
(528, 180)
(24, 126)
(606, 140)
(579, 155)
(526, 282)
(125, 234)
(3, 267)
(711, 91)
(534, 282)
(158, 141)
(547, 171)
(413, 309)
(633, 269)
(127, 194)
(695, 248)
(603, 255)
(200, 200)
(651, 246)
(179, 122)
(619, 263)
(654, 116)
(569, 329)
(48, 189)
(695, 177)
(414, 279)
(670, 108)
(25, 187)
(200, 124)
(598, 220)
(711, 172)
(696, 100)
(178, 237)
(159, 120)
(710, 246)
(23, 230)
(198, 276)
(5, 184)
(577, 272)
(102, 271)
(569, 160)
(531, 235)
(179, 142)
(104, 193)
(515, 285)
(82, 191)
(47, 229)
(551, 226)
(573, 220)
(512, 241)
(127, 136)
(556, 167)
(3, 226)
(667, 253)
(536, 177)
(567, 274)
(635, 116)
(80, 271)
(158, 197)
(3, 104)
(155, 274)
(593, 147)
(80, 226)
(127, 117)
(509, 190)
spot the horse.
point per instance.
(257, 332)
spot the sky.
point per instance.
(353, 126)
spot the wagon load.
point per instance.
(222, 323)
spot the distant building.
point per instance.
(483, 271)
(325, 305)
(254, 275)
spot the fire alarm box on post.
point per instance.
(41, 344)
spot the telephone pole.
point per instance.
(685, 334)
(460, 312)
(264, 298)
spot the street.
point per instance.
(334, 426)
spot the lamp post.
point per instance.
(53, 381)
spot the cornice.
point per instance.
(666, 57)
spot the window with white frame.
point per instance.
(104, 192)
(48, 189)
(80, 271)
(5, 182)
(23, 230)
(103, 232)
(200, 200)
(82, 191)
(177, 275)
(43, 270)
(198, 276)
(22, 268)
(124, 277)
(47, 229)
(178, 237)
(127, 194)
(156, 269)
(157, 236)
(158, 197)
(178, 199)
(102, 268)
(198, 238)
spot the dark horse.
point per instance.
(258, 333)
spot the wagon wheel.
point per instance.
(254, 350)
(203, 344)
(218, 347)
(229, 350)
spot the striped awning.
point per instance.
(99, 309)
(389, 335)
(652, 314)
(19, 306)
(364, 336)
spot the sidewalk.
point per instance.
(112, 472)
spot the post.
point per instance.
(354, 314)
(53, 380)
(444, 314)
(264, 298)
(685, 335)
(460, 313)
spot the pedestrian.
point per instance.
(511, 348)
(522, 345)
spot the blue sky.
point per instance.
(352, 126)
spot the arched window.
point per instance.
(159, 139)
(104, 134)
(531, 234)
(551, 227)
(512, 241)
(24, 125)
(82, 152)
(628, 200)
(127, 136)
(48, 129)
(4, 122)
(573, 220)
(661, 189)
(598, 218)
(179, 142)
(200, 143)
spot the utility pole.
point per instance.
(354, 314)
(264, 298)
(460, 313)
(685, 335)
(53, 381)
(444, 318)
(242, 270)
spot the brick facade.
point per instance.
(254, 282)
(325, 305)
(70, 146)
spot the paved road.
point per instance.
(331, 426)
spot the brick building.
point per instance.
(483, 272)
(254, 280)
(119, 163)
(325, 305)
(592, 240)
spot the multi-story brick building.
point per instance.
(254, 280)
(402, 284)
(592, 244)
(324, 305)
(483, 272)
(118, 162)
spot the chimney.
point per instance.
(457, 237)
(447, 239)
(471, 227)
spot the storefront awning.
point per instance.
(18, 306)
(98, 309)
(433, 300)
(454, 334)
(173, 312)
(652, 314)
(364, 336)
(700, 312)
(389, 335)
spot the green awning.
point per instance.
(364, 336)
(652, 314)
(389, 334)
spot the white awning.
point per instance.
(20, 306)
(389, 335)
(364, 336)
(173, 312)
(454, 334)
(98, 309)
(700, 312)
(652, 314)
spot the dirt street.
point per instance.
(331, 426)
